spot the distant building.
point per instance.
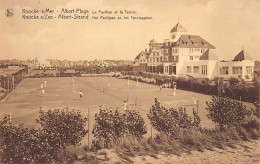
(185, 54)
(11, 76)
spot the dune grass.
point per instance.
(187, 140)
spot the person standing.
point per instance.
(80, 95)
(42, 91)
(194, 100)
(45, 83)
(125, 105)
(174, 90)
(41, 86)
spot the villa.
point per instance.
(191, 55)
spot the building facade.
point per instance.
(191, 55)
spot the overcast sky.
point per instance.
(229, 25)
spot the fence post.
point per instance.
(88, 128)
(8, 88)
(197, 106)
(13, 81)
(151, 132)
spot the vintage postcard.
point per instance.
(129, 81)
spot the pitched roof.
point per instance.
(179, 28)
(166, 45)
(157, 46)
(208, 55)
(144, 53)
(243, 56)
(193, 41)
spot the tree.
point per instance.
(170, 121)
(62, 127)
(22, 145)
(226, 112)
(110, 125)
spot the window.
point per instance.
(223, 70)
(166, 59)
(174, 50)
(195, 69)
(166, 68)
(157, 53)
(249, 70)
(191, 57)
(175, 58)
(237, 70)
(204, 69)
(188, 69)
(157, 59)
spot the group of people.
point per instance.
(173, 90)
(43, 85)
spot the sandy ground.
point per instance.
(247, 152)
(243, 153)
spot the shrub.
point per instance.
(169, 121)
(135, 124)
(225, 111)
(233, 81)
(111, 125)
(21, 145)
(62, 127)
(256, 111)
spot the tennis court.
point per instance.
(25, 101)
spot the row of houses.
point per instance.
(191, 55)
